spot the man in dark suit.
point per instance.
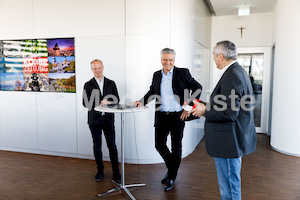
(101, 90)
(229, 127)
(170, 87)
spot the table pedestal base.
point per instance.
(122, 187)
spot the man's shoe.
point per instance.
(165, 179)
(169, 185)
(99, 176)
(117, 178)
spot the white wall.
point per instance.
(127, 36)
(285, 116)
(258, 33)
(18, 114)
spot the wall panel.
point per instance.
(56, 122)
(16, 19)
(285, 115)
(77, 18)
(145, 17)
(18, 114)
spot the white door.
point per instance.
(256, 62)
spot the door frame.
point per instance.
(266, 84)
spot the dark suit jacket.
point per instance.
(92, 97)
(182, 80)
(230, 133)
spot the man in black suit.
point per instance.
(229, 127)
(101, 90)
(170, 87)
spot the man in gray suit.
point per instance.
(229, 127)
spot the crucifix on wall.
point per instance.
(242, 28)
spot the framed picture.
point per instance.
(40, 65)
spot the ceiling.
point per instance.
(230, 7)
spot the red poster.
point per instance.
(35, 65)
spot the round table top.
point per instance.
(120, 108)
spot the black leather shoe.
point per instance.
(165, 179)
(117, 178)
(169, 185)
(99, 176)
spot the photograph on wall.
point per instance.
(17, 48)
(39, 48)
(11, 65)
(11, 81)
(38, 82)
(61, 64)
(35, 65)
(24, 48)
(60, 47)
(62, 82)
(25, 65)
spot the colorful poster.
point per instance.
(62, 82)
(37, 65)
(38, 82)
(61, 64)
(11, 65)
(24, 48)
(11, 81)
(60, 47)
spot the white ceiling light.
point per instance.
(244, 10)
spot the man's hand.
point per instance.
(199, 110)
(184, 115)
(104, 102)
(137, 104)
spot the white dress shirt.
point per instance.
(100, 84)
(168, 100)
(222, 71)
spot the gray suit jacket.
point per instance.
(230, 133)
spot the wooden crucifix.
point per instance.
(242, 28)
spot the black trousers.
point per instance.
(169, 123)
(108, 128)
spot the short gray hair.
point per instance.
(168, 51)
(96, 60)
(226, 48)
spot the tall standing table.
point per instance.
(121, 109)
